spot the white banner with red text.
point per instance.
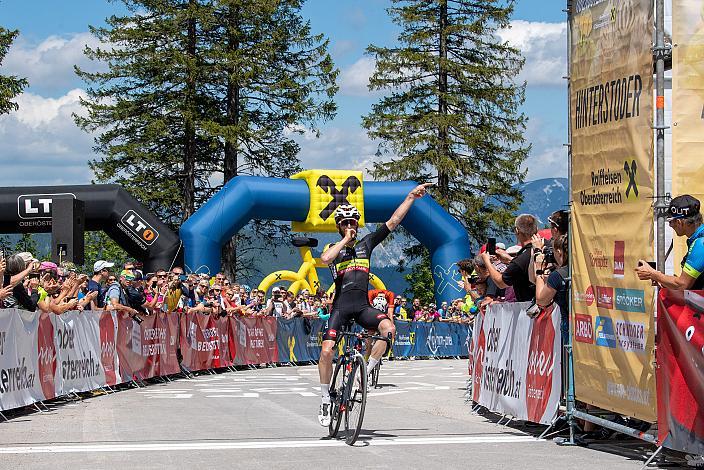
(517, 362)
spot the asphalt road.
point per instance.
(266, 418)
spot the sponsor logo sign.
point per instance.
(587, 297)
(140, 227)
(604, 332)
(598, 259)
(605, 297)
(38, 206)
(583, 329)
(541, 364)
(630, 300)
(619, 258)
(630, 336)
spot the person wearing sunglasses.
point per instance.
(348, 260)
(97, 283)
(685, 218)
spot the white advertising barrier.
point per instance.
(517, 362)
(85, 351)
(20, 383)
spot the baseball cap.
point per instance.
(128, 275)
(101, 264)
(27, 257)
(682, 206)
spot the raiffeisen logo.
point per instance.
(630, 300)
(587, 297)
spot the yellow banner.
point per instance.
(687, 104)
(611, 101)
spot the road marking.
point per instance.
(394, 392)
(174, 396)
(233, 445)
(237, 395)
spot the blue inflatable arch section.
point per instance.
(250, 197)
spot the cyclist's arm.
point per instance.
(332, 251)
(401, 211)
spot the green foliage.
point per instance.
(10, 86)
(27, 243)
(98, 246)
(197, 92)
(420, 280)
(451, 109)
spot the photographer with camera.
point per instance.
(276, 305)
(116, 296)
(551, 285)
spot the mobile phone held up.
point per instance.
(652, 264)
(491, 246)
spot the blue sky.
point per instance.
(52, 150)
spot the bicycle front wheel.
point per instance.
(356, 400)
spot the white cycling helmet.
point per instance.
(346, 211)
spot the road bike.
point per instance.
(348, 388)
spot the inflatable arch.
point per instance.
(251, 197)
(108, 207)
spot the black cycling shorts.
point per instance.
(360, 311)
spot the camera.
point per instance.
(549, 255)
(473, 279)
(137, 319)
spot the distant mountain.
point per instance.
(543, 197)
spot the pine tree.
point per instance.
(276, 77)
(10, 86)
(148, 106)
(198, 92)
(451, 112)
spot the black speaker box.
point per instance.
(67, 231)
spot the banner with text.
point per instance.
(687, 103)
(611, 115)
(517, 362)
(681, 370)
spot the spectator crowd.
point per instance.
(530, 270)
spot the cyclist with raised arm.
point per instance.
(348, 260)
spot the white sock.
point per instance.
(372, 364)
(325, 393)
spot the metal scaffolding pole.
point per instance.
(660, 204)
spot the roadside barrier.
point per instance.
(44, 356)
(515, 362)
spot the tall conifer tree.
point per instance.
(10, 85)
(451, 109)
(198, 92)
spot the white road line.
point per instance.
(233, 445)
(176, 396)
(235, 395)
(394, 392)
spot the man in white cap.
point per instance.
(27, 257)
(101, 272)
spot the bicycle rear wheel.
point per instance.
(356, 400)
(337, 392)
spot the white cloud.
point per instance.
(355, 78)
(338, 148)
(41, 145)
(548, 156)
(48, 65)
(544, 46)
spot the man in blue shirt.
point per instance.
(686, 220)
(101, 272)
